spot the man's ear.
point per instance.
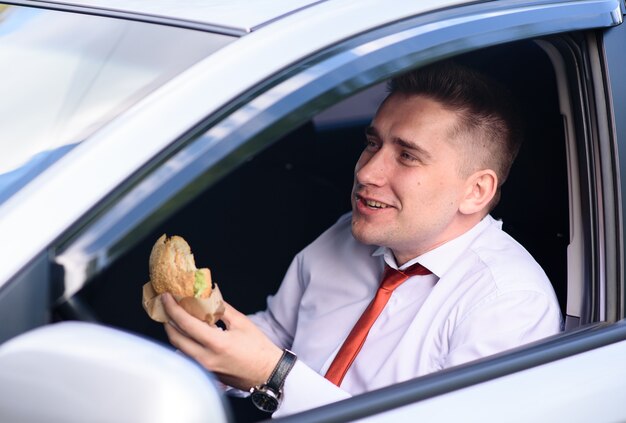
(480, 188)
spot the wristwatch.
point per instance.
(267, 396)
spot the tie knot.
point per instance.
(392, 278)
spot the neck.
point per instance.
(403, 256)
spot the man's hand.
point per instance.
(241, 356)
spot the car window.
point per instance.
(70, 74)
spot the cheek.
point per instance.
(428, 195)
(449, 195)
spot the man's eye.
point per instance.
(370, 145)
(408, 157)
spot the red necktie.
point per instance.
(392, 278)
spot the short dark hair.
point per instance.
(489, 121)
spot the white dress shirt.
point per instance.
(486, 295)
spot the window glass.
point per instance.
(64, 75)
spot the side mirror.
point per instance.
(77, 372)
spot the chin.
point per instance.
(364, 235)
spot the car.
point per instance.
(237, 125)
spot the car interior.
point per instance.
(248, 226)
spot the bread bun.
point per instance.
(173, 270)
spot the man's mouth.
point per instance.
(374, 204)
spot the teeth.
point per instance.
(376, 204)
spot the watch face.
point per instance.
(264, 399)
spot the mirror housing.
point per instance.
(76, 372)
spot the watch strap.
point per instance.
(282, 369)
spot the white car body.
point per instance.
(285, 56)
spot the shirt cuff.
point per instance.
(234, 392)
(305, 389)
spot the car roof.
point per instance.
(241, 15)
(232, 16)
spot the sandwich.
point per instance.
(173, 269)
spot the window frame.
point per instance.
(608, 71)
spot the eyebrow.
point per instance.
(371, 131)
(409, 145)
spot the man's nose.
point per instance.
(373, 169)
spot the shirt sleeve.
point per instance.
(305, 389)
(501, 322)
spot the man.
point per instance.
(436, 155)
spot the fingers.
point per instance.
(189, 346)
(180, 340)
(193, 337)
(184, 322)
(241, 356)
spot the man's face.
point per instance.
(407, 185)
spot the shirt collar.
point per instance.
(440, 259)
